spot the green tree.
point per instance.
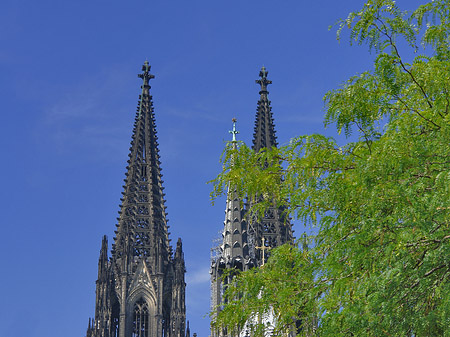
(380, 262)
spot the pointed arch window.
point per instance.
(140, 319)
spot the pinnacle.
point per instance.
(146, 76)
(263, 81)
(264, 132)
(143, 197)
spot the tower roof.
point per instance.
(274, 228)
(264, 132)
(234, 247)
(142, 287)
(142, 229)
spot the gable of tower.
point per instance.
(142, 285)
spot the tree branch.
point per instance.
(391, 42)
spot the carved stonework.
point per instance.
(142, 263)
(247, 242)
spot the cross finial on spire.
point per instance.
(234, 132)
(146, 76)
(263, 81)
(263, 73)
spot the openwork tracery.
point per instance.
(141, 319)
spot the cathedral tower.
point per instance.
(140, 290)
(274, 228)
(246, 244)
(233, 252)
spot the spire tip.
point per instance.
(263, 81)
(146, 76)
(234, 132)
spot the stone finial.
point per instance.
(263, 81)
(146, 76)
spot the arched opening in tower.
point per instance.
(140, 319)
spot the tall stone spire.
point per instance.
(233, 252)
(141, 290)
(234, 247)
(274, 227)
(264, 132)
(246, 242)
(142, 229)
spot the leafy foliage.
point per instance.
(380, 262)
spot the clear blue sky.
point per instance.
(68, 96)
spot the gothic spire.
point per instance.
(234, 246)
(90, 329)
(274, 228)
(141, 289)
(142, 229)
(233, 251)
(264, 132)
(103, 260)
